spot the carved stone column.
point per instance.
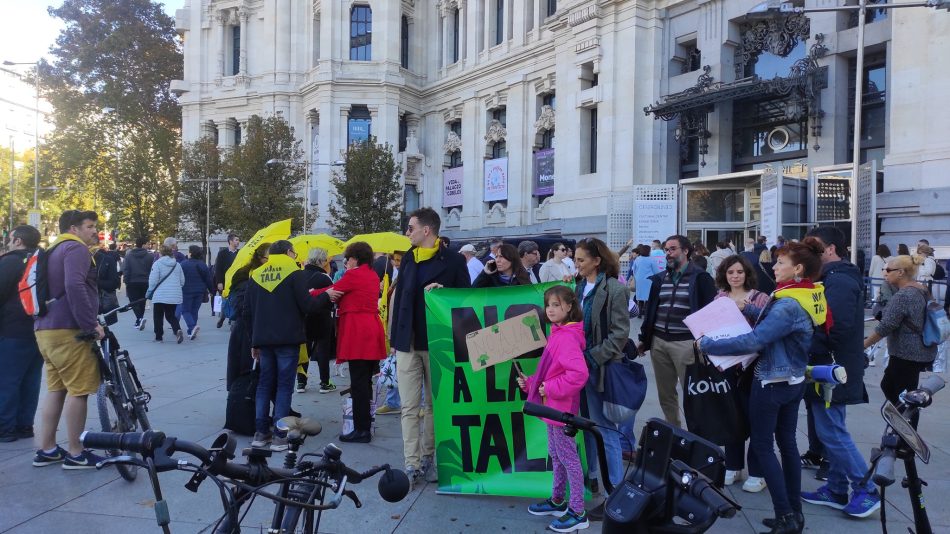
(242, 16)
(220, 20)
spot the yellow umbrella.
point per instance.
(303, 243)
(387, 242)
(274, 232)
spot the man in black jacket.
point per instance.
(222, 263)
(425, 266)
(138, 265)
(842, 345)
(277, 302)
(680, 290)
(20, 357)
(109, 278)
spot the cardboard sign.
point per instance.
(505, 341)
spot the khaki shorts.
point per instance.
(70, 363)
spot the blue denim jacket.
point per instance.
(781, 338)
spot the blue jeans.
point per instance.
(392, 398)
(191, 303)
(22, 367)
(773, 418)
(595, 411)
(845, 462)
(278, 372)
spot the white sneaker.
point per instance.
(732, 477)
(754, 484)
(142, 323)
(194, 333)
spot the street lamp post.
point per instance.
(271, 163)
(779, 8)
(207, 181)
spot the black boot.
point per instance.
(786, 524)
(800, 517)
(357, 436)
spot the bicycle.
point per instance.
(901, 441)
(664, 493)
(120, 400)
(307, 488)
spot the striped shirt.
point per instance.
(673, 307)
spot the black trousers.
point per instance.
(136, 291)
(900, 375)
(361, 389)
(318, 350)
(167, 311)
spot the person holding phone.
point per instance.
(504, 270)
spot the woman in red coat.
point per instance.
(360, 337)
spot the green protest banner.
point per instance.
(484, 443)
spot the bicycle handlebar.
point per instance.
(150, 443)
(567, 418)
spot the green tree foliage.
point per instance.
(122, 56)
(22, 174)
(255, 195)
(368, 194)
(201, 179)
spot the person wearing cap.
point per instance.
(471, 262)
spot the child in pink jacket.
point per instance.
(558, 382)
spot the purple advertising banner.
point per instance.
(452, 187)
(544, 172)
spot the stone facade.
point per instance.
(451, 82)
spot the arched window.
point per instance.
(361, 33)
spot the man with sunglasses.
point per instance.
(681, 289)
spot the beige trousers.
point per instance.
(670, 359)
(412, 371)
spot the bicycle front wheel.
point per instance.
(115, 418)
(140, 418)
(292, 523)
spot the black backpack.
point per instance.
(939, 273)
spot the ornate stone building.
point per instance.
(471, 93)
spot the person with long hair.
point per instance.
(558, 382)
(606, 330)
(239, 342)
(782, 337)
(361, 340)
(504, 270)
(735, 279)
(902, 323)
(555, 269)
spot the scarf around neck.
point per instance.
(277, 269)
(810, 296)
(421, 254)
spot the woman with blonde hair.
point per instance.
(928, 265)
(902, 324)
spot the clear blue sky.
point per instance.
(27, 31)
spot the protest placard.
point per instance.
(505, 341)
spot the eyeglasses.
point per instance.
(562, 250)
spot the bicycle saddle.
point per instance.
(304, 425)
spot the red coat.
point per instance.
(360, 334)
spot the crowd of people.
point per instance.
(804, 302)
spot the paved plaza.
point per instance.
(188, 400)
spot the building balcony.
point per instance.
(178, 87)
